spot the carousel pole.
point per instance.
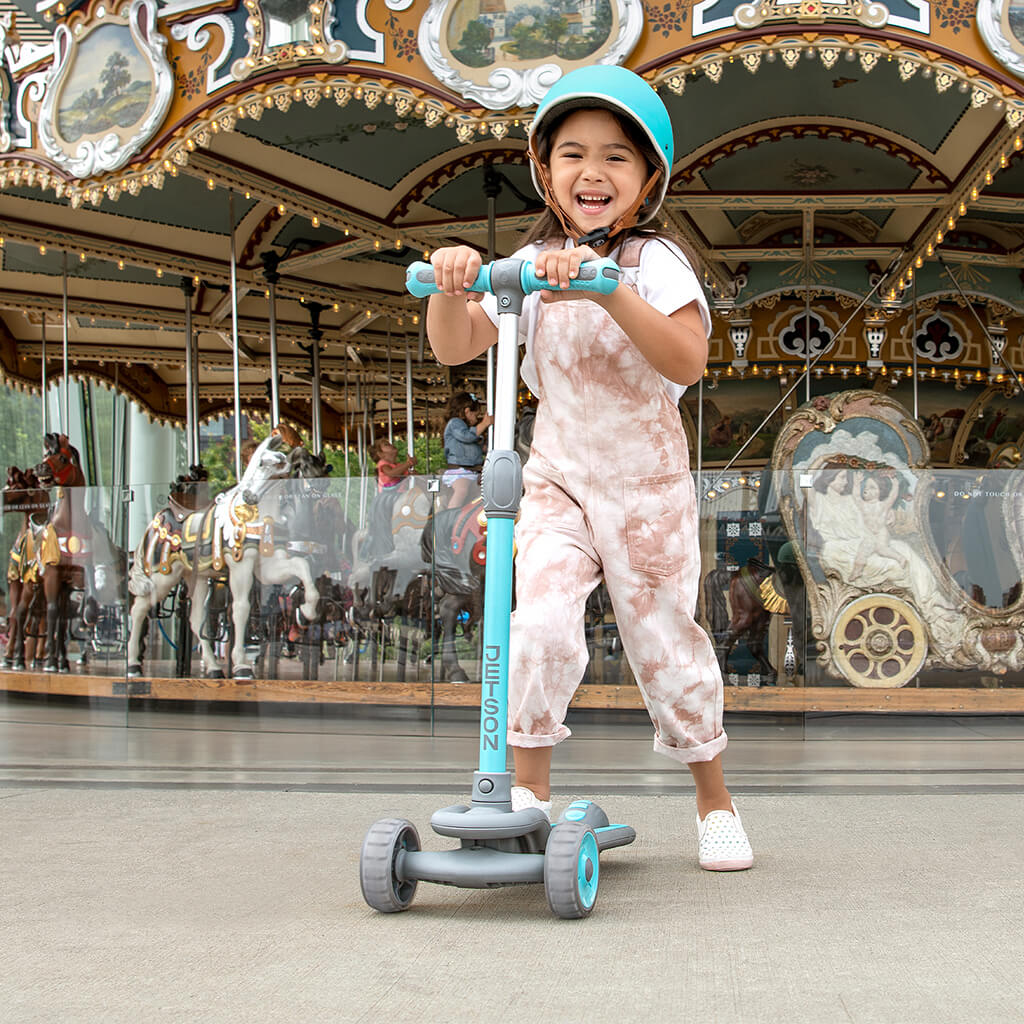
(196, 439)
(66, 406)
(42, 381)
(234, 339)
(361, 456)
(191, 450)
(808, 220)
(700, 438)
(315, 309)
(408, 398)
(347, 471)
(913, 344)
(391, 408)
(270, 265)
(492, 189)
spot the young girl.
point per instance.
(390, 471)
(608, 491)
(463, 445)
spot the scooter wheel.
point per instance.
(384, 887)
(571, 870)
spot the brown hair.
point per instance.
(376, 450)
(458, 404)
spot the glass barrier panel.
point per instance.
(289, 603)
(65, 635)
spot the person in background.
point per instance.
(464, 431)
(390, 470)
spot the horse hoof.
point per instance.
(243, 673)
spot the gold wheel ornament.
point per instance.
(879, 641)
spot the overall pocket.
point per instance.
(658, 510)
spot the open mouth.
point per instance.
(592, 202)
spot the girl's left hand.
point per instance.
(560, 267)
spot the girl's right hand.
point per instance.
(455, 268)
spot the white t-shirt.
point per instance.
(664, 279)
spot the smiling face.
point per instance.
(596, 170)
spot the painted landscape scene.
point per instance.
(482, 33)
(110, 85)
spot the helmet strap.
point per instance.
(602, 236)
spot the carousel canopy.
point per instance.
(189, 161)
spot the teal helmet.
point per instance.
(621, 91)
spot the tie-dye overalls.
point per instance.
(608, 492)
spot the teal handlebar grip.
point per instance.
(419, 280)
(600, 276)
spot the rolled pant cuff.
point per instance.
(522, 739)
(690, 755)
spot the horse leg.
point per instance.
(730, 642)
(448, 613)
(15, 625)
(63, 625)
(141, 607)
(240, 582)
(756, 646)
(208, 658)
(51, 590)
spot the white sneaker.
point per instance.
(523, 798)
(722, 845)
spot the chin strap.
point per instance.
(602, 236)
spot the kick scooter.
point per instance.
(498, 846)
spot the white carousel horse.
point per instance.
(243, 534)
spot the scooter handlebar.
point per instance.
(600, 276)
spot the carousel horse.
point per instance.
(751, 611)
(250, 532)
(386, 558)
(23, 494)
(454, 542)
(73, 550)
(279, 626)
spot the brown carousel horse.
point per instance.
(750, 613)
(72, 551)
(23, 494)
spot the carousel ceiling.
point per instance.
(817, 159)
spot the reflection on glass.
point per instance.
(286, 21)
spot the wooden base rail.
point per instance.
(766, 700)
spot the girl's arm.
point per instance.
(675, 345)
(458, 329)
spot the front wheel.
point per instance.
(571, 870)
(384, 886)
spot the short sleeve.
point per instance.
(667, 281)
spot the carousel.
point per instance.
(207, 211)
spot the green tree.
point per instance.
(474, 47)
(115, 76)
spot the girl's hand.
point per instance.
(560, 267)
(455, 268)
